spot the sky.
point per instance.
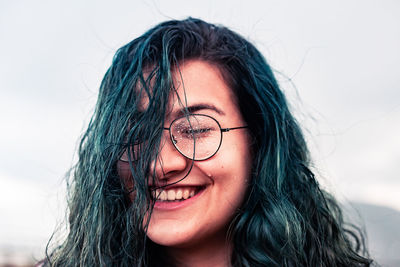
(338, 62)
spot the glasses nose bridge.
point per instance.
(168, 136)
(168, 140)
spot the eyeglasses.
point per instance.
(196, 136)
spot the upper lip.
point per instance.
(177, 185)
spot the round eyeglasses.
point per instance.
(196, 136)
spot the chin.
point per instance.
(170, 235)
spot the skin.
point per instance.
(195, 234)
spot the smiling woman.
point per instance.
(197, 210)
(192, 158)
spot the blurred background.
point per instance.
(338, 63)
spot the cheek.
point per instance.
(237, 157)
(236, 165)
(124, 172)
(230, 166)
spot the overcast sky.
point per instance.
(338, 63)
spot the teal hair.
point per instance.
(286, 219)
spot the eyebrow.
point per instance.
(197, 107)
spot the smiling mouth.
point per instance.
(175, 194)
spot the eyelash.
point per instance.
(194, 132)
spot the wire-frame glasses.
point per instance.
(196, 136)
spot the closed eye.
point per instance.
(197, 133)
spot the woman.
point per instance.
(192, 158)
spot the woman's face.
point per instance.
(219, 183)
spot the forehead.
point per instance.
(196, 83)
(201, 84)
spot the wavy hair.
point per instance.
(286, 219)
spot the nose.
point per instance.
(170, 163)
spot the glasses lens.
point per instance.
(196, 136)
(133, 152)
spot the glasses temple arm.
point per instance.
(224, 130)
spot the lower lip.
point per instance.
(173, 205)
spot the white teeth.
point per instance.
(156, 193)
(185, 194)
(174, 194)
(163, 195)
(171, 194)
(178, 194)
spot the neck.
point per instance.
(216, 253)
